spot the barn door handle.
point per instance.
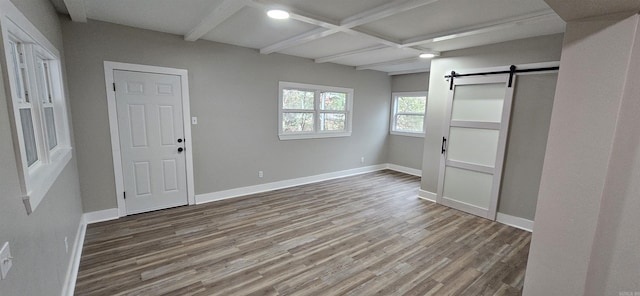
(444, 145)
(180, 149)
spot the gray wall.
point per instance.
(586, 237)
(530, 50)
(37, 241)
(403, 150)
(229, 87)
(526, 145)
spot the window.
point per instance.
(408, 111)
(314, 111)
(39, 107)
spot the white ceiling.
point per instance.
(380, 35)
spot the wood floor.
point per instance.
(361, 235)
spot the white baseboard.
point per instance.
(426, 195)
(516, 222)
(101, 216)
(403, 169)
(74, 262)
(242, 191)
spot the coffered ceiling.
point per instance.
(379, 35)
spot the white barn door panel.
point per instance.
(473, 144)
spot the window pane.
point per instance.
(297, 122)
(52, 138)
(25, 81)
(16, 69)
(41, 83)
(47, 83)
(29, 136)
(412, 104)
(297, 99)
(409, 123)
(332, 121)
(333, 101)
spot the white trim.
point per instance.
(465, 207)
(404, 169)
(242, 191)
(69, 286)
(426, 195)
(101, 216)
(517, 222)
(109, 67)
(407, 134)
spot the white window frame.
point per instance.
(317, 89)
(37, 179)
(394, 113)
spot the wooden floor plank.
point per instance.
(362, 235)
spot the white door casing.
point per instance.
(474, 142)
(148, 113)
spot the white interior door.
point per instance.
(473, 148)
(151, 132)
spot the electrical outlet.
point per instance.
(260, 174)
(362, 159)
(66, 245)
(194, 120)
(6, 261)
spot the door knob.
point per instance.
(180, 149)
(180, 140)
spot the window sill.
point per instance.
(407, 134)
(41, 180)
(313, 136)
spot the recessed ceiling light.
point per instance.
(278, 14)
(427, 55)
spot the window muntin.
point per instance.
(408, 113)
(314, 111)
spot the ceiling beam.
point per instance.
(392, 63)
(383, 11)
(347, 24)
(297, 40)
(219, 14)
(76, 10)
(349, 53)
(479, 29)
(296, 15)
(374, 37)
(413, 71)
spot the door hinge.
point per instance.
(114, 86)
(444, 145)
(125, 195)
